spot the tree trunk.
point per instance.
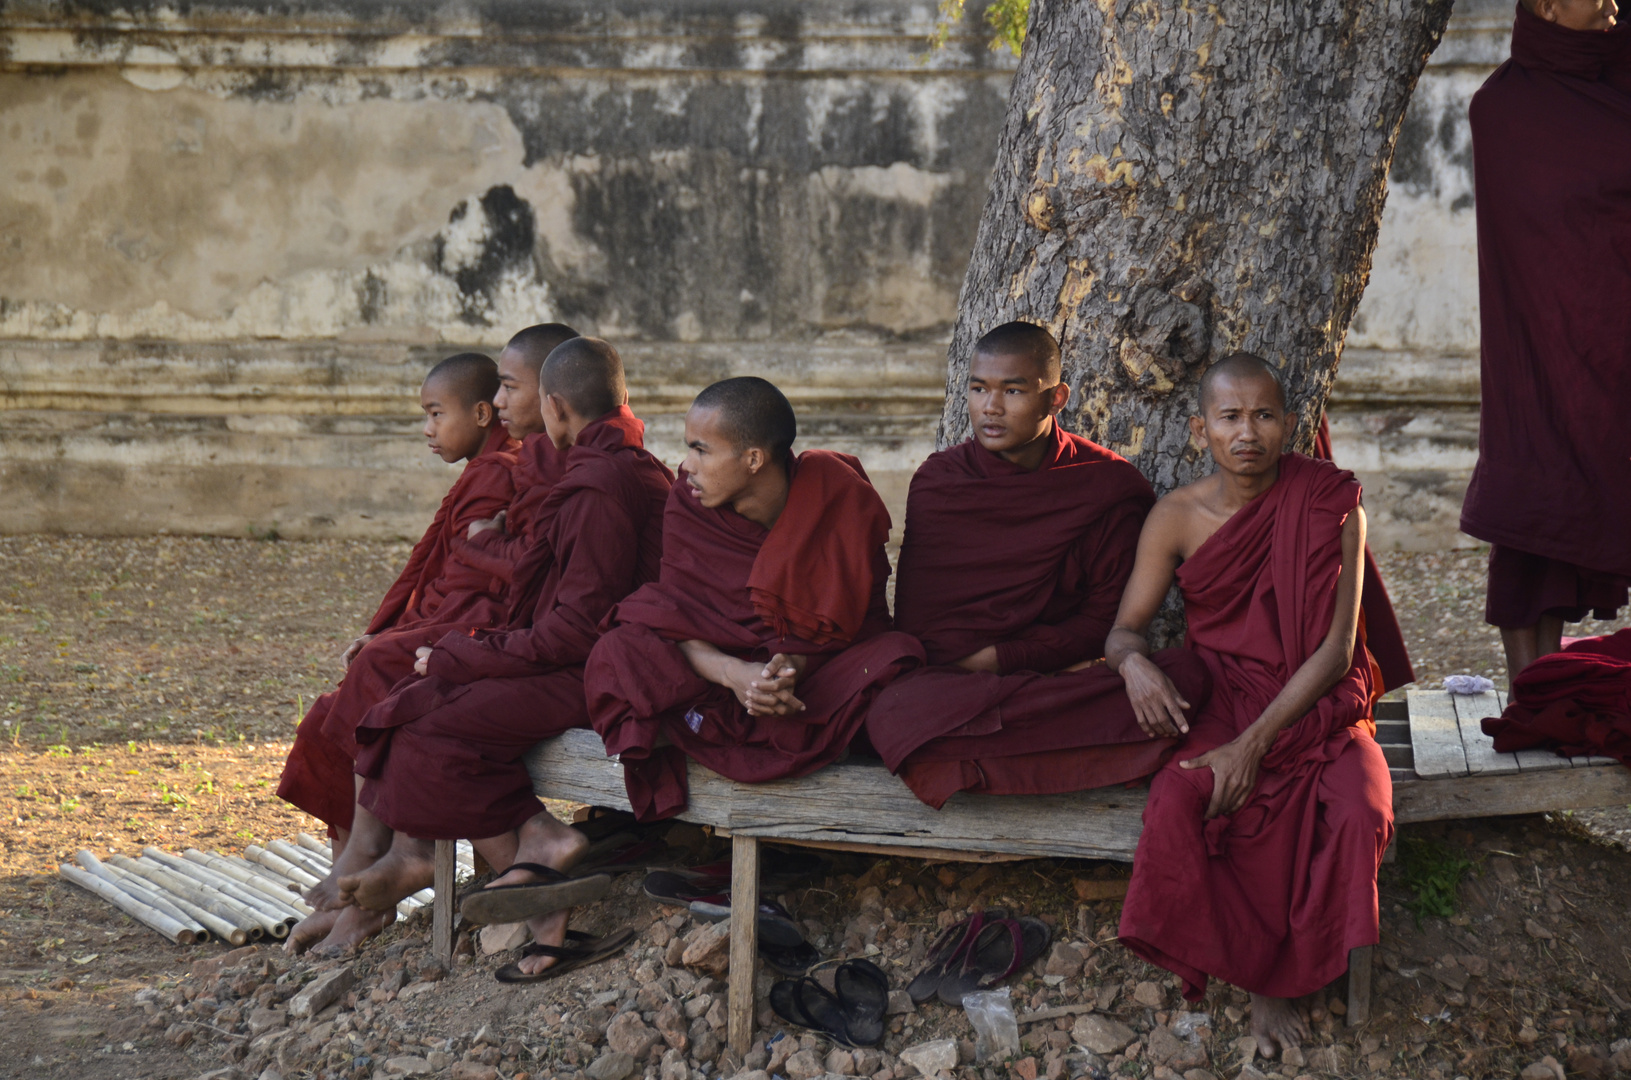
(1176, 182)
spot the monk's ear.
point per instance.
(754, 458)
(485, 414)
(1061, 395)
(1197, 432)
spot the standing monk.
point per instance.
(1551, 132)
(1262, 838)
(764, 639)
(442, 756)
(1018, 544)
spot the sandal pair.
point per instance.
(581, 950)
(983, 950)
(851, 1014)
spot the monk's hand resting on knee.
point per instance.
(486, 524)
(1156, 702)
(354, 648)
(1234, 774)
(421, 663)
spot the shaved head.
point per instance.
(752, 413)
(587, 374)
(469, 376)
(1240, 365)
(1026, 340)
(534, 344)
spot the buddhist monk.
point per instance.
(762, 642)
(1262, 837)
(442, 755)
(1551, 133)
(1018, 543)
(479, 568)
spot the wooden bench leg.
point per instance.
(744, 941)
(1359, 967)
(441, 910)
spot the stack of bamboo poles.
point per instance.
(198, 897)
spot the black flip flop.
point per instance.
(945, 957)
(678, 888)
(1001, 949)
(776, 926)
(807, 1004)
(589, 950)
(789, 959)
(862, 990)
(517, 903)
(603, 822)
(626, 856)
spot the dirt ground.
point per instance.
(148, 690)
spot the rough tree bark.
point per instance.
(1176, 181)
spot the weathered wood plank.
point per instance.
(445, 875)
(1359, 971)
(1524, 793)
(744, 942)
(1435, 736)
(1470, 710)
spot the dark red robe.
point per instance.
(1271, 897)
(1033, 563)
(1576, 702)
(436, 588)
(1551, 132)
(814, 585)
(1383, 637)
(442, 755)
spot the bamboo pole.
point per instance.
(144, 892)
(303, 859)
(261, 881)
(206, 895)
(275, 921)
(166, 902)
(280, 865)
(221, 925)
(128, 904)
(322, 849)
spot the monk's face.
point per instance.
(517, 397)
(454, 430)
(718, 471)
(1243, 424)
(1578, 14)
(1010, 406)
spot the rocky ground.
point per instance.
(150, 687)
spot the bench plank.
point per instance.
(1488, 795)
(1482, 757)
(1435, 735)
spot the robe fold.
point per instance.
(1576, 702)
(1034, 564)
(1272, 897)
(1383, 638)
(442, 755)
(1551, 132)
(438, 588)
(719, 583)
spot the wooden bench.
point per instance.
(1443, 767)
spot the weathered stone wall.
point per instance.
(233, 236)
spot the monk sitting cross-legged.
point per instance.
(1018, 543)
(761, 644)
(1257, 864)
(441, 756)
(466, 588)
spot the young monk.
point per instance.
(761, 644)
(442, 755)
(1018, 544)
(388, 657)
(1551, 135)
(1262, 837)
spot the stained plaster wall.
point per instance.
(233, 237)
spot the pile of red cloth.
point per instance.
(1576, 702)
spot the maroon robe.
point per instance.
(1272, 897)
(1383, 638)
(1033, 563)
(436, 589)
(814, 585)
(1576, 702)
(443, 754)
(1551, 131)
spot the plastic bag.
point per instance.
(996, 1030)
(1468, 684)
(1184, 1025)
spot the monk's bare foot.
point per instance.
(547, 842)
(401, 873)
(325, 895)
(1277, 1025)
(352, 927)
(546, 930)
(309, 931)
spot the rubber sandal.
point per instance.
(635, 855)
(517, 903)
(776, 926)
(603, 822)
(808, 1004)
(863, 991)
(590, 950)
(1003, 948)
(945, 957)
(789, 960)
(785, 1004)
(678, 889)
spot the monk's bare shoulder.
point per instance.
(1183, 518)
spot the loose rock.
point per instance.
(931, 1057)
(1101, 1034)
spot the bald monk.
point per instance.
(329, 789)
(442, 756)
(1018, 543)
(1257, 864)
(1551, 133)
(766, 635)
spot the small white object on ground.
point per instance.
(1468, 684)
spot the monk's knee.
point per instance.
(1188, 673)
